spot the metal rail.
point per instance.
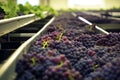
(11, 24)
(89, 23)
(99, 15)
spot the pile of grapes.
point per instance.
(68, 51)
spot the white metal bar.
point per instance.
(11, 24)
(84, 20)
(16, 18)
(89, 23)
(8, 25)
(101, 30)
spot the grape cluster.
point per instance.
(47, 67)
(110, 71)
(63, 73)
(109, 40)
(84, 66)
(68, 52)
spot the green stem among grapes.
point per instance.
(91, 28)
(59, 37)
(60, 27)
(61, 64)
(98, 78)
(33, 61)
(45, 44)
(95, 67)
(71, 77)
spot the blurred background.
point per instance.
(76, 4)
(22, 19)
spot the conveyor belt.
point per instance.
(11, 41)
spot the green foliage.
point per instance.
(26, 9)
(1, 4)
(40, 11)
(10, 8)
(37, 10)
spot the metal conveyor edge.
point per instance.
(7, 70)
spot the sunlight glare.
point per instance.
(90, 2)
(32, 2)
(86, 3)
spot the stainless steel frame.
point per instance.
(11, 24)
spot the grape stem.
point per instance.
(95, 66)
(59, 37)
(60, 27)
(45, 44)
(33, 61)
(71, 77)
(61, 64)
